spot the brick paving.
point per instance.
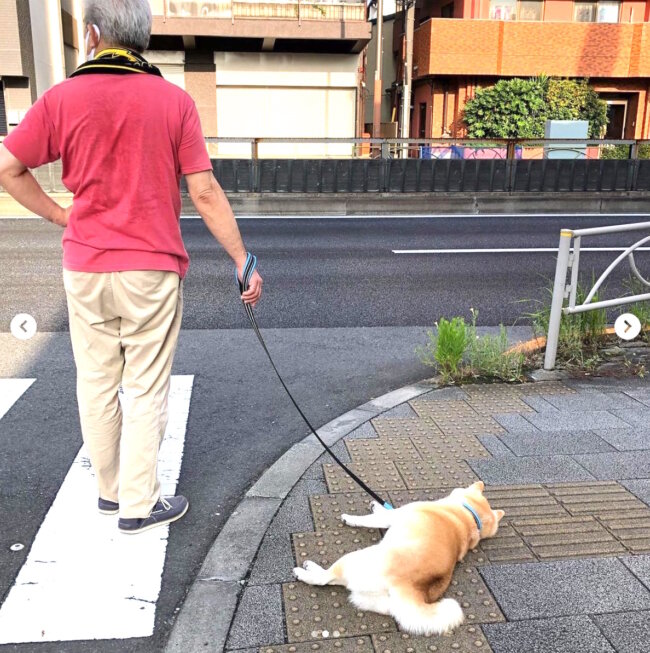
(570, 465)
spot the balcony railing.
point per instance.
(282, 9)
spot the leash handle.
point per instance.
(247, 272)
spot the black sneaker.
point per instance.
(167, 510)
(108, 507)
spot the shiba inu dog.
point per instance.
(406, 574)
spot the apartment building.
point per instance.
(281, 68)
(462, 45)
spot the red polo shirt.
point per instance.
(124, 141)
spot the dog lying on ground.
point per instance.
(406, 574)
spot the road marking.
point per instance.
(522, 250)
(11, 390)
(83, 579)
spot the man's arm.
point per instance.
(213, 206)
(19, 182)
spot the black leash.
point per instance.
(249, 268)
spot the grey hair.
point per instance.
(121, 22)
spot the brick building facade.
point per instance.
(462, 45)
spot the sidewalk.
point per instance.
(569, 462)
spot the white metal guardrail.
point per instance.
(569, 258)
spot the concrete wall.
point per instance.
(286, 95)
(48, 43)
(389, 72)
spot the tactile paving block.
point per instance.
(317, 613)
(484, 399)
(506, 546)
(457, 418)
(430, 474)
(567, 537)
(523, 501)
(378, 476)
(625, 516)
(468, 588)
(401, 497)
(325, 548)
(327, 509)
(382, 450)
(347, 645)
(460, 446)
(545, 388)
(462, 640)
(404, 427)
(605, 499)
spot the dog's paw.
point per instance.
(309, 565)
(377, 507)
(347, 519)
(301, 574)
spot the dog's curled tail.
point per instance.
(410, 609)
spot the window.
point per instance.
(531, 10)
(447, 10)
(503, 9)
(605, 11)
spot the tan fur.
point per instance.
(407, 573)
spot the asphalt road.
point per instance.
(332, 272)
(341, 314)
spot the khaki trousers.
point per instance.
(124, 328)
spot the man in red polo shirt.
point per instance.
(125, 137)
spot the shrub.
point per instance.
(519, 108)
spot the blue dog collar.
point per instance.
(477, 519)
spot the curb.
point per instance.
(204, 620)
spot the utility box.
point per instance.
(566, 129)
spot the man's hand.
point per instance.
(62, 215)
(254, 292)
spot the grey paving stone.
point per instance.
(529, 469)
(640, 487)
(274, 561)
(514, 423)
(628, 632)
(259, 619)
(314, 472)
(403, 410)
(626, 440)
(634, 417)
(560, 635)
(539, 403)
(367, 430)
(577, 420)
(593, 401)
(548, 443)
(640, 394)
(639, 566)
(494, 445)
(556, 589)
(615, 466)
(294, 515)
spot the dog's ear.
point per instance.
(479, 486)
(498, 514)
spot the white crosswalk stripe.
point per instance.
(83, 579)
(11, 390)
